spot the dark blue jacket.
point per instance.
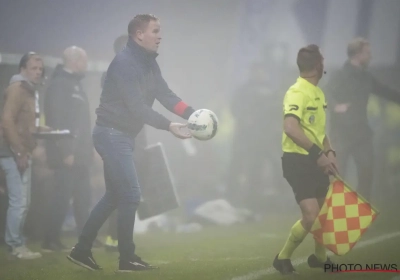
(66, 106)
(354, 86)
(132, 83)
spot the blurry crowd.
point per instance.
(363, 123)
(62, 178)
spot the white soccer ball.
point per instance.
(203, 124)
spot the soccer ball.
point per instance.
(203, 124)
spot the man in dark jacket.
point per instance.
(111, 243)
(132, 84)
(66, 106)
(349, 93)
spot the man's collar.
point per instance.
(139, 50)
(305, 82)
(61, 69)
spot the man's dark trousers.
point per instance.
(122, 190)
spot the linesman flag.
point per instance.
(343, 219)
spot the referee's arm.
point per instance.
(294, 105)
(293, 130)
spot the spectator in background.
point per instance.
(349, 93)
(20, 119)
(66, 106)
(251, 105)
(119, 45)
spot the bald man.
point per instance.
(66, 106)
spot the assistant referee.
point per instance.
(308, 158)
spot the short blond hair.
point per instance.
(140, 22)
(355, 46)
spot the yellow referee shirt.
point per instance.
(307, 103)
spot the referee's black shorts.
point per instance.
(304, 176)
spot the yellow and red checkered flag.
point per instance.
(343, 219)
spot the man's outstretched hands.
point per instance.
(176, 130)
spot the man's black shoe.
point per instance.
(284, 266)
(136, 264)
(83, 259)
(313, 262)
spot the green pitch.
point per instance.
(242, 252)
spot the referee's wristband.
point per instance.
(330, 151)
(315, 152)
